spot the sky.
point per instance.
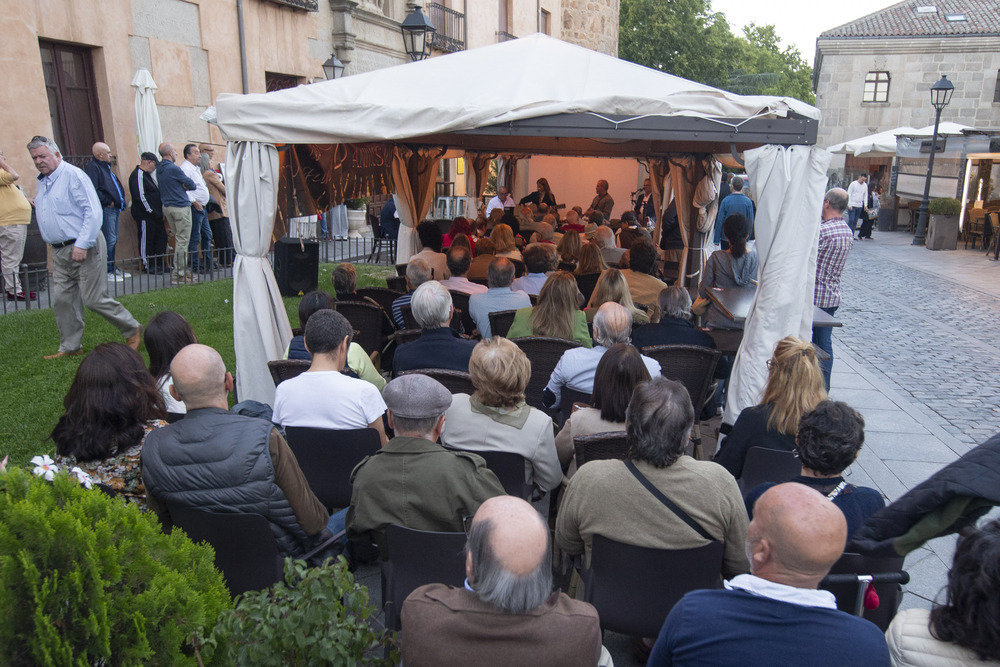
(797, 23)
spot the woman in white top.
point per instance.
(164, 336)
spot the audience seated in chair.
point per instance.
(794, 387)
(675, 326)
(498, 297)
(439, 346)
(418, 271)
(432, 241)
(479, 268)
(604, 238)
(577, 367)
(539, 260)
(643, 287)
(357, 361)
(217, 461)
(828, 441)
(496, 418)
(589, 269)
(775, 614)
(507, 613)
(612, 287)
(609, 497)
(166, 334)
(504, 242)
(557, 313)
(323, 396)
(413, 481)
(111, 406)
(345, 283)
(630, 231)
(459, 260)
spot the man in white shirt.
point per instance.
(459, 259)
(502, 200)
(857, 199)
(201, 232)
(323, 397)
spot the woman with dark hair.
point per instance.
(869, 215)
(543, 195)
(618, 373)
(828, 441)
(735, 267)
(966, 629)
(459, 225)
(110, 407)
(165, 335)
(556, 314)
(794, 387)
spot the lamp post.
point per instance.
(333, 68)
(940, 97)
(418, 32)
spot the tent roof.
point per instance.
(555, 90)
(884, 143)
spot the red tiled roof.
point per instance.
(903, 20)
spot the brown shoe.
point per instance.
(60, 354)
(134, 340)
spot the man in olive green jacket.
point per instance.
(413, 481)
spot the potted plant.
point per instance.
(357, 217)
(942, 227)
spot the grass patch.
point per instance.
(34, 388)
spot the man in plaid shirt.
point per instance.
(835, 241)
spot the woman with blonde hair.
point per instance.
(496, 418)
(568, 250)
(612, 286)
(589, 269)
(794, 387)
(555, 315)
(503, 243)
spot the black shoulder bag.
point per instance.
(681, 514)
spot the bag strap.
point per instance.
(681, 514)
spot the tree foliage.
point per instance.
(688, 39)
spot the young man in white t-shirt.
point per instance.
(323, 397)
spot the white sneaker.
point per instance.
(114, 275)
(123, 274)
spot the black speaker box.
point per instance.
(296, 269)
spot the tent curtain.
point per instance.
(659, 169)
(680, 184)
(790, 184)
(414, 173)
(706, 200)
(476, 174)
(507, 172)
(260, 324)
(149, 135)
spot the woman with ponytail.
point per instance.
(735, 267)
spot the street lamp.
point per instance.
(940, 97)
(333, 68)
(418, 32)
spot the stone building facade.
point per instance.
(875, 73)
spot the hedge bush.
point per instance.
(87, 580)
(945, 206)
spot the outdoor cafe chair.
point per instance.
(544, 353)
(501, 321)
(383, 296)
(850, 577)
(600, 447)
(767, 465)
(328, 456)
(457, 382)
(286, 369)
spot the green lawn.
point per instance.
(33, 388)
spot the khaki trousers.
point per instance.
(79, 284)
(178, 218)
(12, 239)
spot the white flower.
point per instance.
(82, 477)
(44, 467)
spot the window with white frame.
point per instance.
(876, 87)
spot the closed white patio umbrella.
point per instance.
(147, 119)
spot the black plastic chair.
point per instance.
(401, 270)
(691, 365)
(369, 320)
(383, 296)
(544, 353)
(634, 588)
(407, 335)
(500, 322)
(850, 576)
(245, 549)
(567, 399)
(414, 558)
(519, 267)
(767, 465)
(600, 447)
(380, 241)
(286, 369)
(509, 469)
(456, 382)
(327, 457)
(396, 284)
(461, 302)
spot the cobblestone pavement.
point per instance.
(933, 338)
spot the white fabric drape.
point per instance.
(790, 186)
(260, 324)
(149, 136)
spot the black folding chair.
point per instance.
(567, 400)
(369, 320)
(767, 465)
(509, 469)
(457, 382)
(694, 367)
(397, 284)
(461, 302)
(383, 296)
(327, 457)
(286, 369)
(500, 322)
(544, 352)
(600, 447)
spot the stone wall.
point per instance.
(592, 24)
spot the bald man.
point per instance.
(217, 461)
(577, 367)
(775, 615)
(111, 194)
(507, 612)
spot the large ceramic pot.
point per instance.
(356, 223)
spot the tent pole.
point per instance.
(243, 46)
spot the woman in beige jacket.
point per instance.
(218, 210)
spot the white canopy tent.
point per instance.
(449, 106)
(884, 143)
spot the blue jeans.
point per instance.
(110, 230)
(823, 339)
(201, 232)
(853, 215)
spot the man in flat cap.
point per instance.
(413, 481)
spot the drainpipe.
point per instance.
(243, 46)
(465, 23)
(538, 15)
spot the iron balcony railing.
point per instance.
(450, 35)
(308, 5)
(504, 36)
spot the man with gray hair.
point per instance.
(835, 241)
(578, 366)
(507, 612)
(418, 271)
(69, 218)
(675, 326)
(413, 481)
(605, 238)
(500, 296)
(439, 346)
(174, 186)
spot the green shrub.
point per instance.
(318, 616)
(88, 580)
(945, 206)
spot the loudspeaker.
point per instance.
(295, 269)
